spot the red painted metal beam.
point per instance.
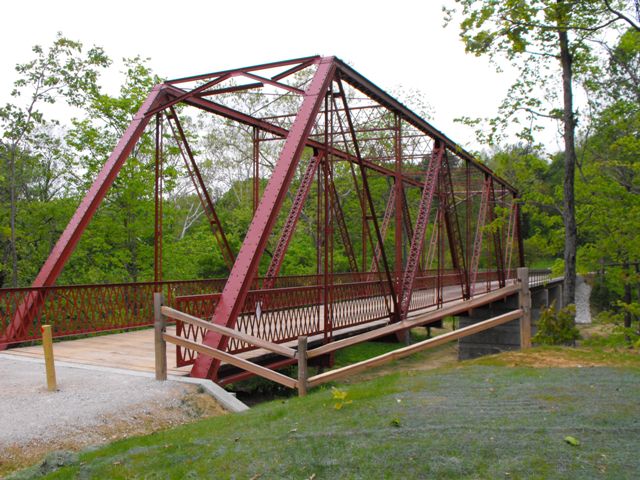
(157, 196)
(453, 227)
(264, 66)
(246, 265)
(367, 195)
(511, 229)
(477, 243)
(289, 226)
(67, 242)
(201, 188)
(497, 235)
(417, 242)
(360, 82)
(342, 224)
(388, 212)
(230, 113)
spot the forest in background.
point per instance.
(47, 166)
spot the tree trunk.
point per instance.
(568, 204)
(12, 217)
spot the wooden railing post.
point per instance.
(524, 303)
(303, 372)
(47, 345)
(160, 324)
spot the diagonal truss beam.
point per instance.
(201, 188)
(338, 213)
(235, 115)
(367, 195)
(246, 265)
(497, 243)
(453, 227)
(424, 210)
(388, 212)
(289, 226)
(513, 215)
(477, 243)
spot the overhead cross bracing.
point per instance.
(396, 197)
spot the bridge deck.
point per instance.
(135, 350)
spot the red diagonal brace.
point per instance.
(453, 227)
(497, 235)
(430, 182)
(67, 242)
(201, 188)
(244, 269)
(477, 243)
(336, 207)
(292, 219)
(388, 211)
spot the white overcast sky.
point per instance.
(393, 43)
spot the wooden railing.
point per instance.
(302, 355)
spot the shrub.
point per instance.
(557, 328)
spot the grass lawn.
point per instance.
(497, 417)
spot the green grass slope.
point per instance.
(474, 421)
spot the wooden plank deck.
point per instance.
(129, 351)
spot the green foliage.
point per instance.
(557, 327)
(525, 34)
(617, 336)
(32, 158)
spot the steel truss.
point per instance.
(356, 135)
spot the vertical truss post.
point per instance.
(246, 264)
(519, 234)
(327, 233)
(510, 237)
(399, 201)
(440, 278)
(468, 212)
(424, 211)
(323, 211)
(497, 244)
(201, 189)
(157, 228)
(256, 168)
(367, 194)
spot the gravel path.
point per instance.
(87, 401)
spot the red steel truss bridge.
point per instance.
(431, 225)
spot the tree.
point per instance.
(63, 71)
(119, 240)
(548, 41)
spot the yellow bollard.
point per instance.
(47, 344)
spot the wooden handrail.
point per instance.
(229, 332)
(416, 347)
(415, 321)
(233, 360)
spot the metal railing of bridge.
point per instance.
(75, 310)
